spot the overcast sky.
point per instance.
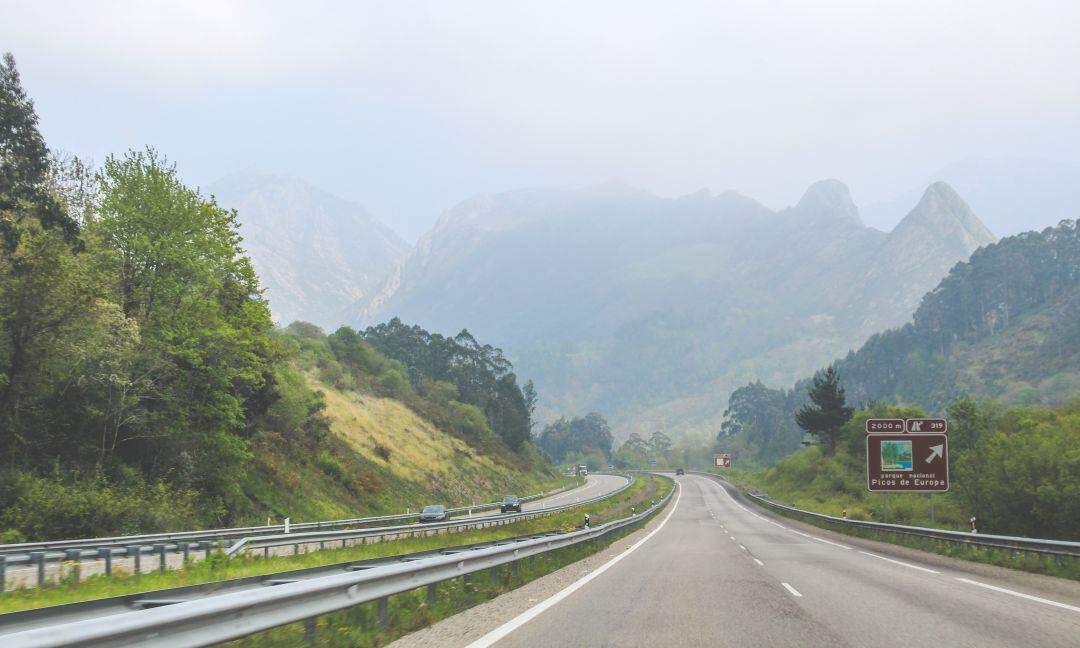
(409, 107)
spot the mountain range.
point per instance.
(651, 310)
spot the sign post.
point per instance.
(722, 460)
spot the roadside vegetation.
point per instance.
(408, 612)
(218, 567)
(145, 388)
(1015, 470)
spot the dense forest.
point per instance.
(140, 371)
(582, 439)
(460, 370)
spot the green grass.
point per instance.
(818, 502)
(807, 480)
(219, 567)
(408, 612)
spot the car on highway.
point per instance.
(434, 513)
(679, 471)
(510, 504)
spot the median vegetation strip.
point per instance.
(219, 567)
(363, 626)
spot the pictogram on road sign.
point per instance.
(907, 463)
(926, 425)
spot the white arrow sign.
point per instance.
(935, 452)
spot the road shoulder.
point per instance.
(468, 626)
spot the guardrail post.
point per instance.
(38, 558)
(134, 552)
(185, 548)
(466, 580)
(432, 591)
(74, 556)
(517, 568)
(384, 612)
(105, 553)
(495, 576)
(3, 573)
(206, 546)
(159, 549)
(309, 631)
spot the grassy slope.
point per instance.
(390, 458)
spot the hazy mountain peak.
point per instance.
(941, 212)
(828, 200)
(315, 253)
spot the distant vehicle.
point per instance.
(581, 469)
(434, 513)
(510, 504)
(680, 471)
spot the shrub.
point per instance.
(331, 466)
(45, 508)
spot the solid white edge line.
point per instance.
(760, 564)
(835, 544)
(901, 563)
(805, 535)
(1066, 606)
(538, 609)
(794, 592)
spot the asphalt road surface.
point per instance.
(714, 571)
(27, 575)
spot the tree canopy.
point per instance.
(827, 411)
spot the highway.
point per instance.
(594, 486)
(713, 571)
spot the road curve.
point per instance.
(26, 576)
(720, 572)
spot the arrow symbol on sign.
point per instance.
(935, 452)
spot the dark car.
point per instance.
(434, 513)
(680, 471)
(510, 504)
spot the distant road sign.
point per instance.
(907, 463)
(652, 462)
(722, 460)
(926, 425)
(885, 426)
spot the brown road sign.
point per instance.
(885, 426)
(722, 460)
(907, 463)
(926, 425)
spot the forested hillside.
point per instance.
(1003, 326)
(143, 386)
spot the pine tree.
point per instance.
(827, 411)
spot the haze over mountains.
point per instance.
(651, 310)
(315, 253)
(1010, 195)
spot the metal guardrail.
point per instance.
(224, 534)
(1031, 545)
(160, 550)
(230, 616)
(295, 539)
